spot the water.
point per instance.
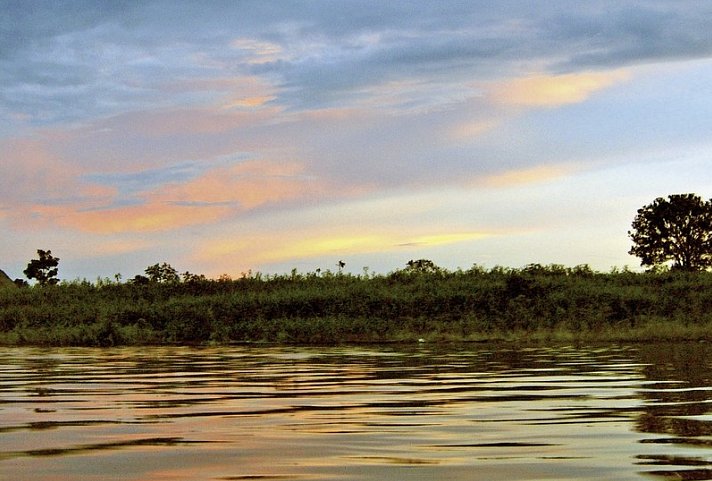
(472, 412)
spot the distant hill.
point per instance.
(5, 280)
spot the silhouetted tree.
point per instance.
(677, 229)
(44, 269)
(139, 280)
(162, 273)
(190, 278)
(422, 266)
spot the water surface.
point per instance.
(469, 412)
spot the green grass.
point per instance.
(536, 303)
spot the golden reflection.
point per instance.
(386, 412)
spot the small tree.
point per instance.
(677, 229)
(422, 266)
(44, 269)
(162, 273)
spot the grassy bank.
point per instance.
(533, 303)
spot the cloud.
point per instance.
(163, 118)
(247, 185)
(31, 173)
(146, 140)
(248, 102)
(257, 52)
(130, 184)
(69, 62)
(169, 202)
(523, 176)
(443, 239)
(245, 252)
(625, 34)
(148, 217)
(553, 91)
(119, 246)
(471, 129)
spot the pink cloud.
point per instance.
(216, 195)
(145, 140)
(30, 169)
(150, 217)
(248, 185)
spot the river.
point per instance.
(421, 412)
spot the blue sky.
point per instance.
(223, 136)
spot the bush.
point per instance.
(330, 308)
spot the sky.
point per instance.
(229, 136)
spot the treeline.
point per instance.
(420, 301)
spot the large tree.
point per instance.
(677, 229)
(44, 269)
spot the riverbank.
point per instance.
(536, 303)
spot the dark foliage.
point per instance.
(336, 307)
(44, 269)
(677, 229)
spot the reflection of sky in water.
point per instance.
(466, 412)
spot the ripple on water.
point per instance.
(465, 412)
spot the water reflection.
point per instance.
(449, 412)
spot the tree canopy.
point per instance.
(162, 273)
(677, 229)
(44, 269)
(422, 266)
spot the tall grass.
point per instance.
(535, 302)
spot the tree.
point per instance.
(139, 280)
(44, 269)
(162, 273)
(677, 229)
(190, 278)
(422, 266)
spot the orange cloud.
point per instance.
(529, 175)
(248, 102)
(216, 195)
(552, 91)
(247, 185)
(38, 185)
(473, 129)
(152, 217)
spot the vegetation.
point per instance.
(421, 301)
(677, 229)
(44, 269)
(5, 281)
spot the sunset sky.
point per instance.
(222, 136)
